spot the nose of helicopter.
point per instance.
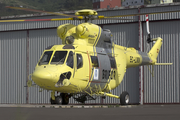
(42, 77)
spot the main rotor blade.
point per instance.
(54, 19)
(113, 18)
(151, 13)
(40, 11)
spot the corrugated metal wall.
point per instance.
(38, 41)
(163, 88)
(161, 8)
(13, 67)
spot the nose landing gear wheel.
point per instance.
(124, 98)
(58, 100)
(65, 98)
(62, 99)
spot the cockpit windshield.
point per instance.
(59, 57)
(45, 58)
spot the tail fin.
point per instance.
(153, 53)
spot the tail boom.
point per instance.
(139, 58)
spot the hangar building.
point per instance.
(22, 43)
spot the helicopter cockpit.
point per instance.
(58, 64)
(62, 60)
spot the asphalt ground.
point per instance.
(94, 112)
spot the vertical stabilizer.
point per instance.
(153, 53)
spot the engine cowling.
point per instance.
(85, 33)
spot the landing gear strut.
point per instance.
(124, 97)
(62, 99)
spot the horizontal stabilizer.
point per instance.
(163, 63)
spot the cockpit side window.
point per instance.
(59, 57)
(45, 58)
(70, 61)
(94, 61)
(79, 61)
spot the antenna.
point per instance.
(127, 45)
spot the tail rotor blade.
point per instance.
(147, 26)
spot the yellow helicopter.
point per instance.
(87, 62)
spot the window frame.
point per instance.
(42, 63)
(67, 62)
(77, 61)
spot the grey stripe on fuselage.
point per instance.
(145, 58)
(94, 47)
(103, 50)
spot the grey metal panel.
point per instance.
(122, 35)
(161, 8)
(13, 67)
(164, 86)
(39, 40)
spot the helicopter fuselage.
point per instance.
(87, 61)
(89, 71)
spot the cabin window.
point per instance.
(94, 61)
(79, 61)
(113, 62)
(59, 57)
(45, 58)
(70, 61)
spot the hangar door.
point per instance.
(13, 67)
(164, 86)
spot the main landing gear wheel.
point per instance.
(124, 98)
(58, 100)
(62, 99)
(65, 98)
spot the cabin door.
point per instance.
(81, 66)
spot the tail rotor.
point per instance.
(148, 42)
(147, 26)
